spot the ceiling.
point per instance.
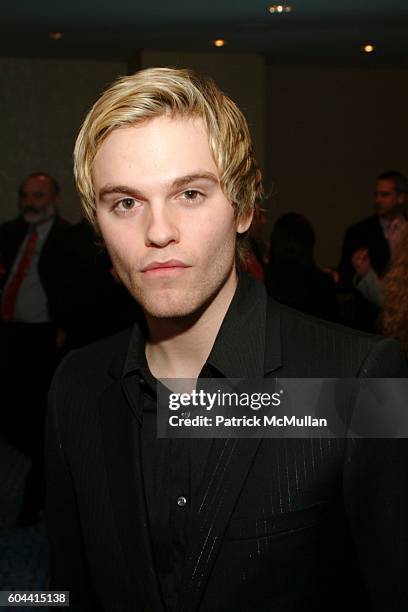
(315, 32)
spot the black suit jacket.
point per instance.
(85, 299)
(364, 234)
(12, 234)
(288, 524)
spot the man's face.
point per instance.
(388, 201)
(37, 199)
(168, 227)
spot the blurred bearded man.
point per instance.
(27, 330)
(25, 243)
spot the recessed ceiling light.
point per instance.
(368, 48)
(279, 8)
(219, 42)
(56, 35)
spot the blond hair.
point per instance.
(179, 92)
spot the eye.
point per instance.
(126, 205)
(192, 194)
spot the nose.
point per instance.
(162, 228)
(27, 200)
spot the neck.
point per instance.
(179, 347)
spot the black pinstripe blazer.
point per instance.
(284, 525)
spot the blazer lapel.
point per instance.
(121, 439)
(229, 463)
(228, 466)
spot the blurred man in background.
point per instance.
(27, 330)
(367, 246)
(372, 235)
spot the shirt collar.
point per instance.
(43, 229)
(239, 349)
(385, 223)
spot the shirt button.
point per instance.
(181, 501)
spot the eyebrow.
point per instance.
(176, 184)
(190, 178)
(23, 193)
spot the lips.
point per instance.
(162, 265)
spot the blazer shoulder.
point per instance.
(365, 224)
(321, 348)
(94, 363)
(305, 322)
(12, 227)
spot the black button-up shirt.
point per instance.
(174, 469)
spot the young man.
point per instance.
(165, 170)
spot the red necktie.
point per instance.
(10, 295)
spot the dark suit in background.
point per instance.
(285, 524)
(27, 359)
(12, 234)
(86, 301)
(367, 234)
(303, 287)
(292, 275)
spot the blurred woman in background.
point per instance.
(292, 276)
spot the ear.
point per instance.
(401, 198)
(244, 223)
